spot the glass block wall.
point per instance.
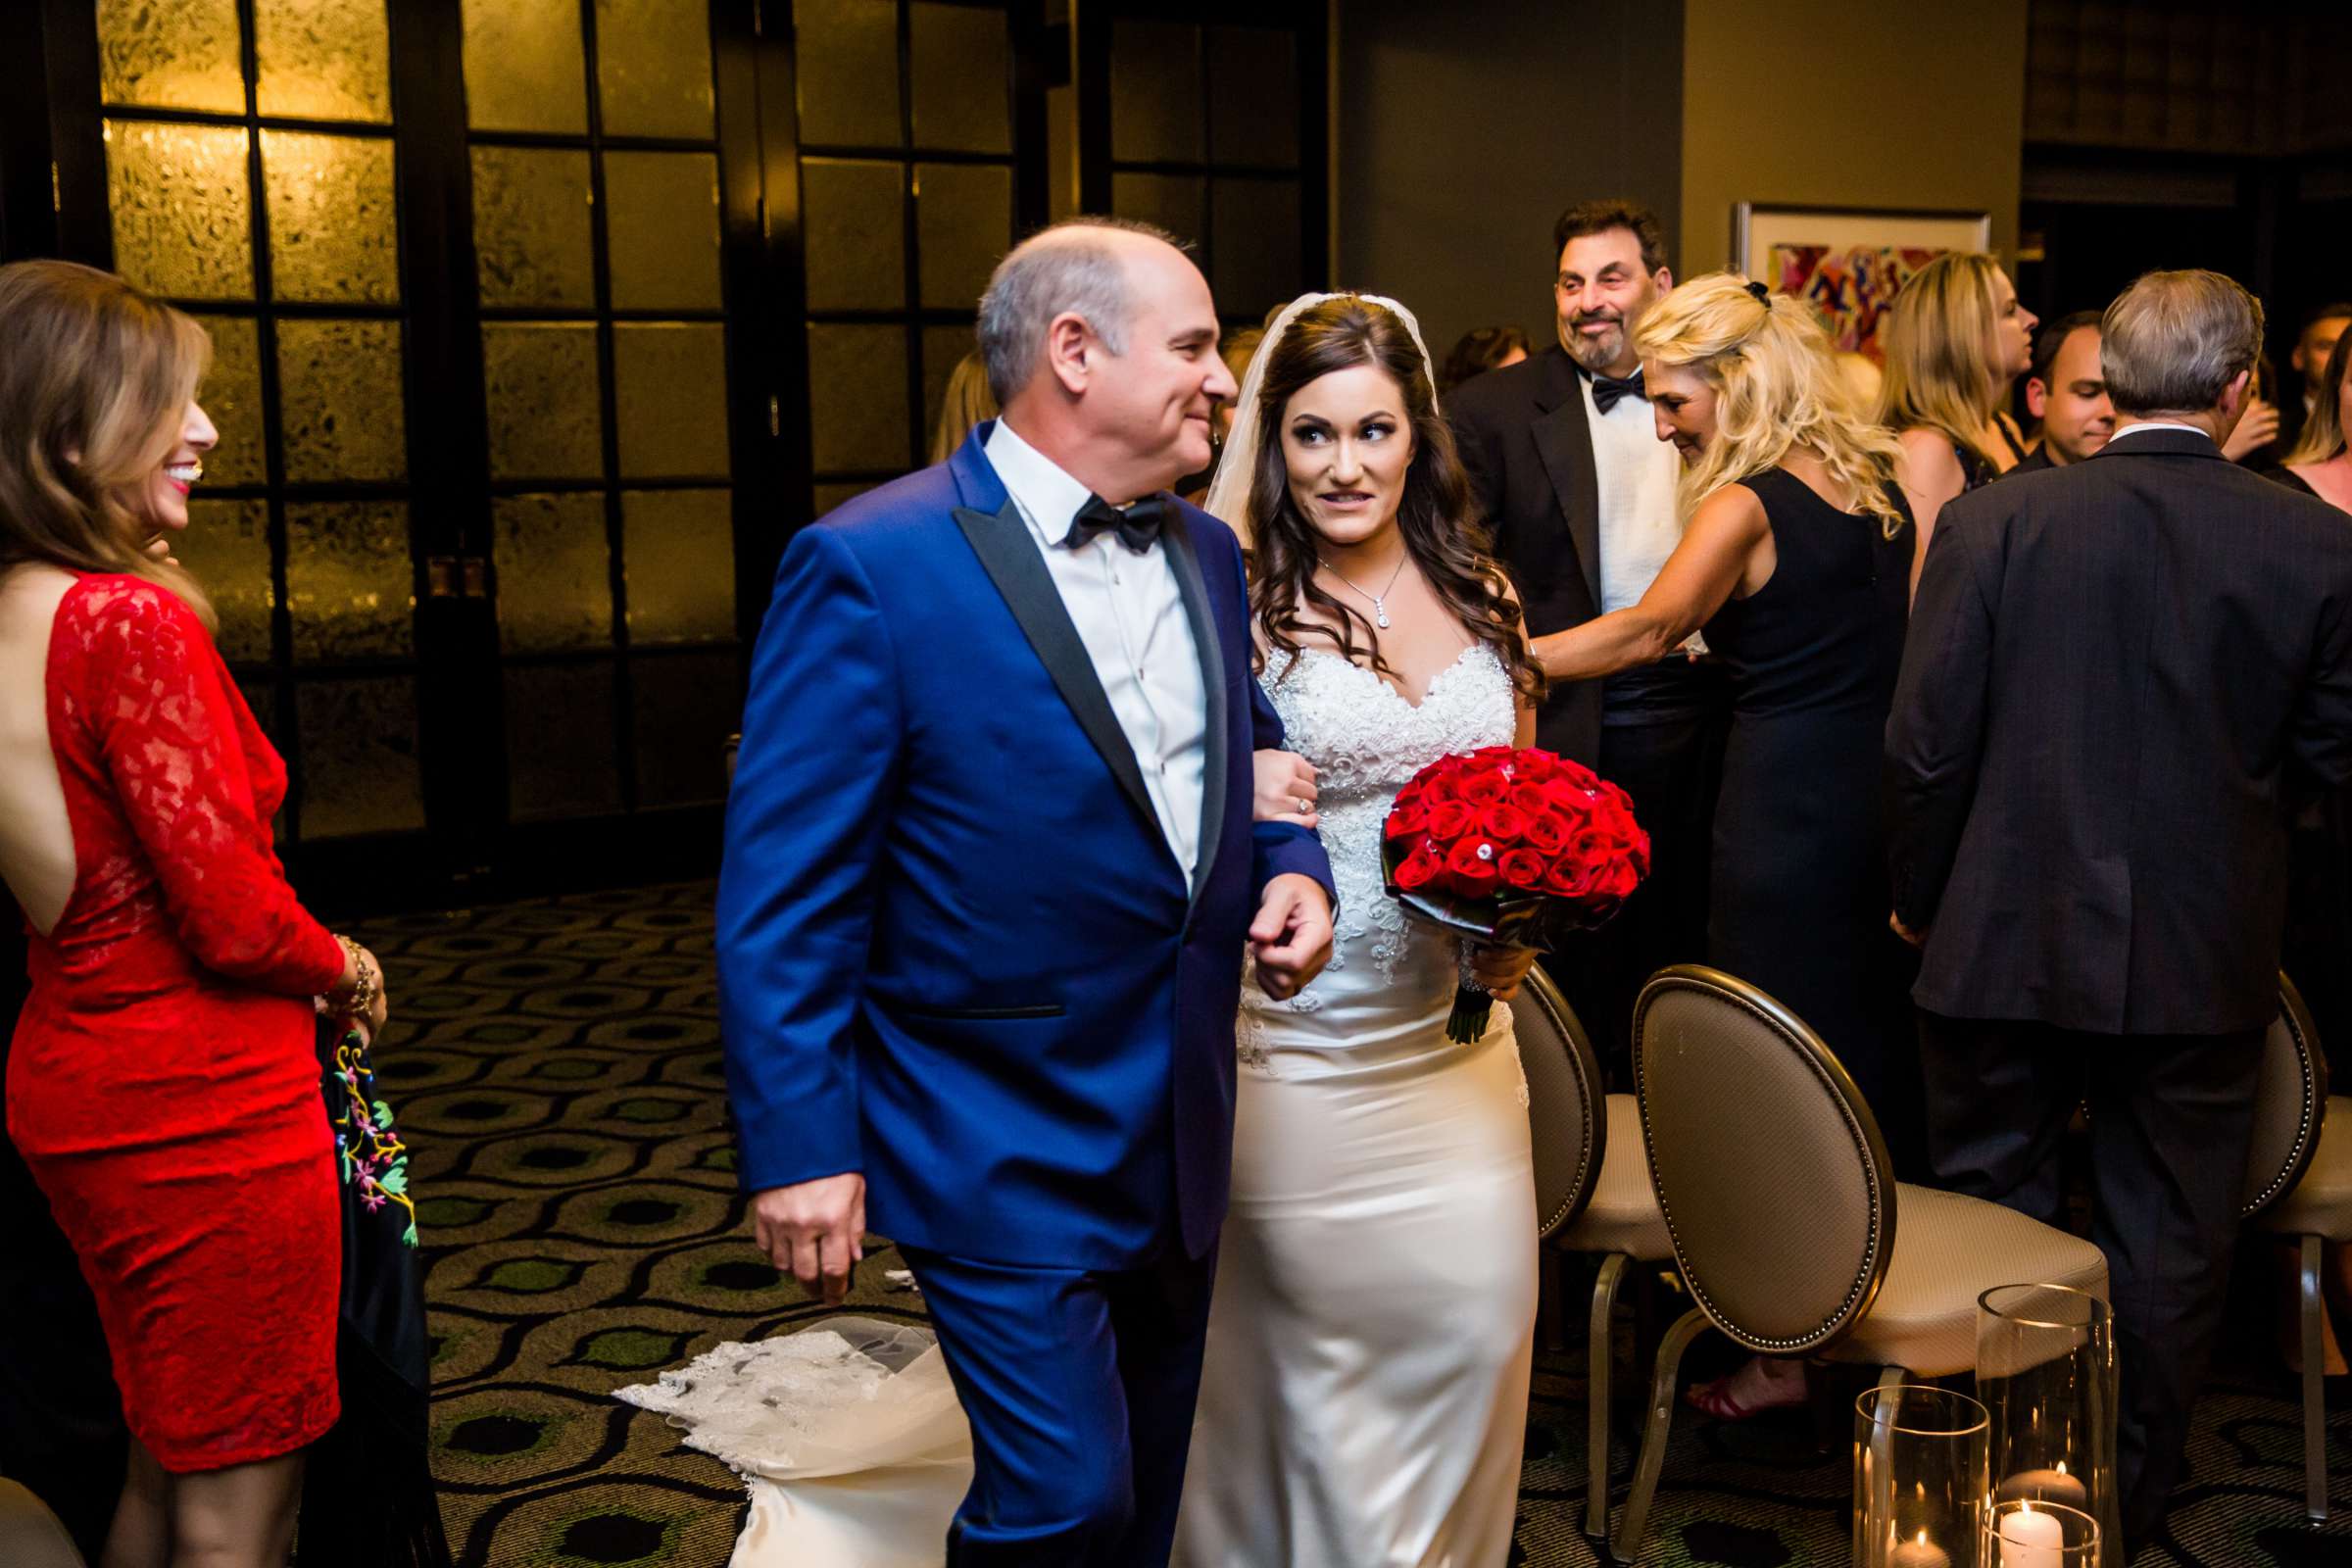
(250, 174)
(907, 192)
(595, 170)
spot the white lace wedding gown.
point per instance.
(1364, 1396)
(1363, 1404)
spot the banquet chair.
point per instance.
(1593, 1192)
(2299, 1183)
(1781, 1208)
(30, 1536)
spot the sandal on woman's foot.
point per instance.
(1716, 1398)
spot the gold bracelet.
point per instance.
(362, 996)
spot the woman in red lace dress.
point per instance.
(161, 1084)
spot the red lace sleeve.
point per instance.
(159, 706)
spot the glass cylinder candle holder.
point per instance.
(2019, 1533)
(1921, 1466)
(2046, 1372)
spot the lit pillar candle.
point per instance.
(2031, 1538)
(1918, 1553)
(2046, 1485)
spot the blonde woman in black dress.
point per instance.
(1795, 560)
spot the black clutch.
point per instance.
(368, 1490)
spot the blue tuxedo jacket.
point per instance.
(954, 952)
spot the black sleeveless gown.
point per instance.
(1799, 890)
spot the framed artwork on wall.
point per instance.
(1849, 263)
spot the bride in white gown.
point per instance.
(1364, 1396)
(1363, 1402)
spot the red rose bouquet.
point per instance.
(1510, 847)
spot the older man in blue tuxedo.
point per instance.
(991, 876)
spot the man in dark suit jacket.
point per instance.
(2117, 673)
(1579, 494)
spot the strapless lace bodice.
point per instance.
(1387, 979)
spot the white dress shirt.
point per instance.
(1130, 615)
(2159, 424)
(1635, 473)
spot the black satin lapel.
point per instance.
(1010, 556)
(1564, 441)
(1185, 559)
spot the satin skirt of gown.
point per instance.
(1363, 1398)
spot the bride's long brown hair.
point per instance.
(1441, 531)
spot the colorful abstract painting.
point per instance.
(1852, 287)
(1848, 262)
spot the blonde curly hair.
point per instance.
(1777, 389)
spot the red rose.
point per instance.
(1635, 850)
(1504, 822)
(1523, 869)
(1471, 867)
(1440, 786)
(1528, 797)
(1535, 766)
(1618, 880)
(1570, 803)
(1407, 818)
(1418, 870)
(1571, 878)
(1577, 775)
(1486, 787)
(1450, 819)
(1547, 834)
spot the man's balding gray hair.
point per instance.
(2174, 341)
(1059, 270)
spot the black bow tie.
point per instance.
(1607, 389)
(1138, 526)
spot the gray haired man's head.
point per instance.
(1076, 267)
(2173, 342)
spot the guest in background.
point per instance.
(1956, 337)
(2319, 898)
(1579, 495)
(2092, 745)
(2255, 438)
(1795, 558)
(2307, 362)
(1235, 351)
(969, 405)
(2066, 392)
(162, 1084)
(1479, 350)
(2320, 463)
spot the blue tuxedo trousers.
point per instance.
(1079, 1385)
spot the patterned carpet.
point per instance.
(556, 1068)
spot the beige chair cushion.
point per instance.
(2321, 1204)
(1948, 1251)
(30, 1535)
(1623, 1216)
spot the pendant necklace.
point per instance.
(1380, 599)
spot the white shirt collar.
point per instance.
(1049, 498)
(2158, 424)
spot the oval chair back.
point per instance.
(1770, 1170)
(1567, 1107)
(2290, 1099)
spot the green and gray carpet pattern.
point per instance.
(555, 1069)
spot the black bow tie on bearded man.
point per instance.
(1138, 526)
(1607, 390)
